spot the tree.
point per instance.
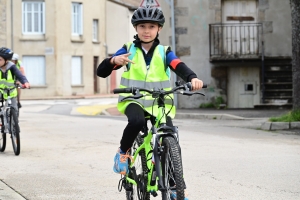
(295, 8)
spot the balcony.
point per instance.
(235, 41)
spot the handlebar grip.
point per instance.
(122, 90)
(189, 85)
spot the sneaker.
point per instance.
(19, 105)
(173, 195)
(121, 163)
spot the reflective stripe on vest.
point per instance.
(8, 83)
(138, 76)
(18, 65)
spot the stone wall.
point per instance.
(3, 23)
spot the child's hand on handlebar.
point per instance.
(197, 84)
(26, 85)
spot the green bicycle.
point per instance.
(156, 164)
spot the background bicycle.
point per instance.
(9, 121)
(156, 164)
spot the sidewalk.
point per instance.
(8, 193)
(214, 114)
(230, 114)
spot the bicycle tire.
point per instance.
(140, 165)
(2, 142)
(172, 170)
(14, 131)
(3, 136)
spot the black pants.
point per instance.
(136, 121)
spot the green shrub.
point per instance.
(207, 105)
(215, 104)
(292, 116)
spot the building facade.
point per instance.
(61, 42)
(240, 48)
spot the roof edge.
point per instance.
(129, 6)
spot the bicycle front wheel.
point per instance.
(14, 131)
(2, 141)
(139, 192)
(172, 172)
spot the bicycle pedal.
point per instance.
(153, 193)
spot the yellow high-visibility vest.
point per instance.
(149, 77)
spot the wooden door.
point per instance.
(240, 34)
(96, 58)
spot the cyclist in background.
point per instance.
(18, 63)
(9, 73)
(145, 69)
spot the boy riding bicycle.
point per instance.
(147, 65)
(9, 73)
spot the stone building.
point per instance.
(241, 48)
(62, 42)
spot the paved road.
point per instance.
(67, 155)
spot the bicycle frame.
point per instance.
(6, 105)
(154, 134)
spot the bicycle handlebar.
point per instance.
(135, 90)
(12, 88)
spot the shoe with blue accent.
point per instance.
(121, 162)
(173, 195)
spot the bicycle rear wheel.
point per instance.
(14, 131)
(140, 164)
(2, 141)
(172, 172)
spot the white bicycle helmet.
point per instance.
(15, 57)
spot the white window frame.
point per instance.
(95, 30)
(76, 70)
(77, 19)
(35, 69)
(32, 18)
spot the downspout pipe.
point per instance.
(174, 46)
(171, 4)
(263, 66)
(11, 24)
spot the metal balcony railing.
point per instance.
(235, 40)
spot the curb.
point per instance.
(273, 126)
(6, 192)
(71, 97)
(209, 116)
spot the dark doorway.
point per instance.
(96, 90)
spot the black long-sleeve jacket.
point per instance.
(105, 68)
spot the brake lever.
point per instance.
(199, 93)
(188, 93)
(137, 96)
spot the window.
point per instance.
(76, 70)
(33, 21)
(76, 18)
(35, 70)
(95, 30)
